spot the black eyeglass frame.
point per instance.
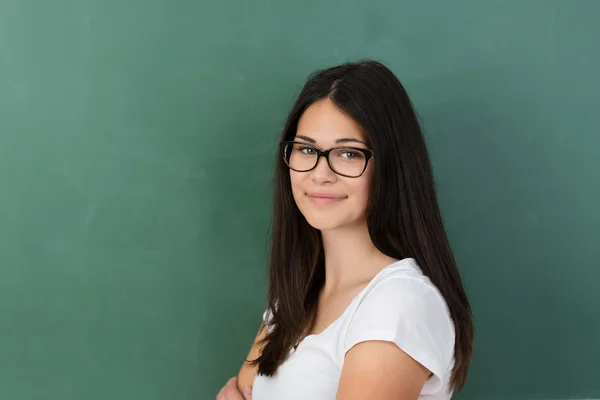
(369, 154)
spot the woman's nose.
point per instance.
(322, 172)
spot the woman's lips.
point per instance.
(324, 199)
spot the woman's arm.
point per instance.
(247, 372)
(399, 343)
(380, 370)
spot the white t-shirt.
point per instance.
(399, 305)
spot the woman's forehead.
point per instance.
(323, 123)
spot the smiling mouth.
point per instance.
(324, 200)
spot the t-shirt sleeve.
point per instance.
(414, 316)
(267, 315)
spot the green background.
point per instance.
(137, 141)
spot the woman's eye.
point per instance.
(307, 150)
(350, 154)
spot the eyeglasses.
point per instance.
(346, 161)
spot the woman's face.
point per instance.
(328, 200)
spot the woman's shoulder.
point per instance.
(400, 298)
(402, 280)
(403, 306)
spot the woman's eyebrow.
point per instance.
(350, 140)
(338, 141)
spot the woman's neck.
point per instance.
(351, 258)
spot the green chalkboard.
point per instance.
(137, 140)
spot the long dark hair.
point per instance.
(403, 215)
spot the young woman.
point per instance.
(365, 298)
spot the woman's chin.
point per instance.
(324, 224)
